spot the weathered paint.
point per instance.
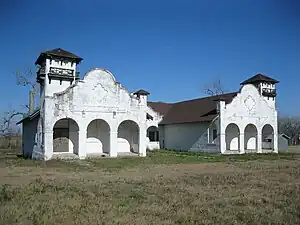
(110, 119)
(249, 107)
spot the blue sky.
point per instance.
(170, 48)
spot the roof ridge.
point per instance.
(259, 78)
(207, 97)
(194, 99)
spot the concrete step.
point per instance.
(231, 152)
(64, 156)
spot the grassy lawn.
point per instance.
(164, 188)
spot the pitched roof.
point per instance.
(30, 116)
(259, 78)
(160, 107)
(59, 53)
(141, 92)
(195, 110)
(285, 136)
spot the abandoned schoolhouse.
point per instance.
(97, 116)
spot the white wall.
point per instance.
(55, 85)
(183, 136)
(97, 96)
(73, 137)
(271, 101)
(248, 107)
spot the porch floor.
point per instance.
(125, 154)
(68, 156)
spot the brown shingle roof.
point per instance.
(58, 52)
(259, 78)
(160, 107)
(195, 110)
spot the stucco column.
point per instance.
(259, 142)
(275, 143)
(142, 142)
(113, 143)
(242, 143)
(222, 143)
(48, 144)
(208, 141)
(82, 143)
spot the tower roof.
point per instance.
(260, 78)
(141, 92)
(58, 52)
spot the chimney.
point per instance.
(31, 102)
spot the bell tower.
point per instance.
(265, 86)
(56, 70)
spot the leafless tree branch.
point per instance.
(5, 127)
(291, 127)
(215, 88)
(26, 78)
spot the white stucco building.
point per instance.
(232, 123)
(97, 116)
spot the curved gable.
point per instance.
(248, 101)
(97, 89)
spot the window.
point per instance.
(148, 117)
(153, 136)
(215, 134)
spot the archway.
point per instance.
(267, 137)
(153, 138)
(65, 136)
(98, 137)
(232, 137)
(128, 137)
(250, 138)
(153, 134)
(213, 134)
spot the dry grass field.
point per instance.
(163, 188)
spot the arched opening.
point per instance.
(98, 137)
(153, 138)
(250, 138)
(267, 137)
(153, 134)
(128, 137)
(213, 137)
(232, 137)
(65, 136)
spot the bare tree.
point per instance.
(7, 119)
(22, 79)
(214, 88)
(291, 127)
(26, 78)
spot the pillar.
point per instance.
(222, 143)
(275, 142)
(48, 144)
(259, 142)
(242, 143)
(113, 143)
(208, 141)
(142, 142)
(82, 143)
